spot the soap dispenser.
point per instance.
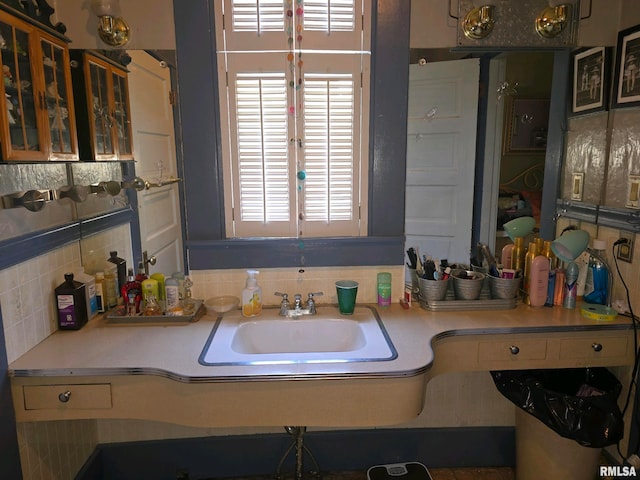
(252, 295)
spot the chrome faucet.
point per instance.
(298, 307)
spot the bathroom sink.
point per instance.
(326, 337)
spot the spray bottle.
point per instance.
(252, 295)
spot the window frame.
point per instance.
(203, 193)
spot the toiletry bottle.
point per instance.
(517, 254)
(179, 276)
(596, 284)
(539, 281)
(570, 285)
(151, 307)
(188, 304)
(71, 303)
(149, 288)
(558, 291)
(110, 287)
(171, 294)
(531, 254)
(132, 292)
(159, 277)
(506, 255)
(140, 273)
(100, 301)
(548, 253)
(252, 296)
(384, 289)
(121, 268)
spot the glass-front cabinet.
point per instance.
(105, 107)
(38, 121)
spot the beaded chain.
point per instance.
(294, 18)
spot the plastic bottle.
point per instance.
(531, 254)
(596, 285)
(551, 285)
(570, 285)
(111, 288)
(132, 292)
(100, 300)
(538, 286)
(252, 295)
(71, 303)
(506, 255)
(121, 268)
(179, 276)
(384, 289)
(89, 289)
(517, 254)
(149, 288)
(558, 291)
(171, 295)
(159, 277)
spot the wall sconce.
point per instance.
(552, 20)
(479, 22)
(112, 29)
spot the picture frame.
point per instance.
(527, 121)
(591, 69)
(627, 81)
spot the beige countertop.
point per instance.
(172, 350)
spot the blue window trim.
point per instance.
(206, 242)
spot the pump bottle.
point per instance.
(252, 295)
(596, 284)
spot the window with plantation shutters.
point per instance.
(294, 116)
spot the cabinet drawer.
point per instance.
(512, 350)
(593, 347)
(74, 397)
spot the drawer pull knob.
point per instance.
(597, 347)
(64, 396)
(514, 349)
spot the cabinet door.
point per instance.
(122, 115)
(21, 123)
(58, 98)
(101, 117)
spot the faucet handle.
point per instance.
(316, 294)
(284, 305)
(311, 304)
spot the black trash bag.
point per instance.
(576, 403)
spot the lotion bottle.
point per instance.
(506, 257)
(252, 295)
(539, 281)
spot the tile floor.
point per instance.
(501, 473)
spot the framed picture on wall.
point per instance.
(526, 121)
(590, 80)
(627, 84)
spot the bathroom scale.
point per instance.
(399, 471)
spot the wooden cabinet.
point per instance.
(102, 98)
(38, 121)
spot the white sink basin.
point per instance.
(327, 337)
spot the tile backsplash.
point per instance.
(50, 450)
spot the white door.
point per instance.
(155, 154)
(441, 144)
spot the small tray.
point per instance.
(481, 304)
(116, 315)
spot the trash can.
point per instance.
(564, 418)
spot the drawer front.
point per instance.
(73, 397)
(512, 350)
(593, 347)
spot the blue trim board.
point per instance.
(292, 252)
(353, 450)
(26, 247)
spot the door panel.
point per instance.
(441, 142)
(155, 154)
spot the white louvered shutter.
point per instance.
(265, 145)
